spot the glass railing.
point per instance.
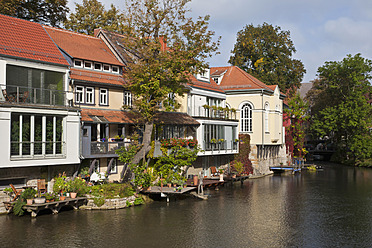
(220, 146)
(97, 147)
(27, 95)
(212, 113)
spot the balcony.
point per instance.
(213, 112)
(25, 95)
(220, 146)
(103, 149)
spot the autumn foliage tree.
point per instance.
(166, 47)
(91, 14)
(266, 53)
(52, 12)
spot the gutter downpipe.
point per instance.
(263, 123)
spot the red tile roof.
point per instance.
(237, 79)
(112, 116)
(94, 76)
(211, 85)
(82, 46)
(28, 40)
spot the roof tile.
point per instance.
(28, 40)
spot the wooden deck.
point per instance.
(55, 206)
(168, 190)
(207, 182)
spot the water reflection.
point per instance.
(331, 208)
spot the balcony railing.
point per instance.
(97, 147)
(28, 95)
(212, 113)
(37, 148)
(220, 146)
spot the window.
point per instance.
(33, 135)
(106, 68)
(216, 80)
(246, 118)
(87, 65)
(266, 118)
(97, 66)
(127, 99)
(79, 94)
(103, 97)
(89, 95)
(115, 69)
(78, 63)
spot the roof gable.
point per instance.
(82, 46)
(236, 79)
(28, 40)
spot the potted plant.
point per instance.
(29, 194)
(238, 167)
(213, 141)
(49, 197)
(78, 187)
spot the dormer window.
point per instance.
(216, 80)
(115, 69)
(87, 65)
(106, 68)
(78, 63)
(97, 66)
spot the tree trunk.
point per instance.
(146, 144)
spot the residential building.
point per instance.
(39, 126)
(99, 90)
(260, 114)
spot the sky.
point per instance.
(321, 30)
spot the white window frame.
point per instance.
(94, 66)
(103, 96)
(78, 60)
(267, 106)
(103, 67)
(246, 118)
(87, 67)
(127, 100)
(114, 168)
(79, 90)
(116, 67)
(89, 95)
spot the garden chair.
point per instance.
(214, 171)
(17, 192)
(41, 188)
(8, 97)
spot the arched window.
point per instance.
(246, 118)
(267, 117)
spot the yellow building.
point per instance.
(260, 114)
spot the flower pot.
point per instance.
(195, 180)
(73, 195)
(221, 177)
(29, 201)
(234, 176)
(62, 198)
(169, 185)
(39, 200)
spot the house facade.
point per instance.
(260, 114)
(99, 91)
(39, 125)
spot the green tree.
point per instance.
(266, 52)
(166, 47)
(52, 12)
(91, 14)
(341, 111)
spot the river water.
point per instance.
(329, 208)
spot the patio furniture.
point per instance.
(8, 97)
(17, 192)
(41, 188)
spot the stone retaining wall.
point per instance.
(116, 203)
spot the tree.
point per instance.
(297, 116)
(52, 12)
(266, 52)
(91, 15)
(167, 47)
(340, 110)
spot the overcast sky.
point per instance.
(321, 30)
